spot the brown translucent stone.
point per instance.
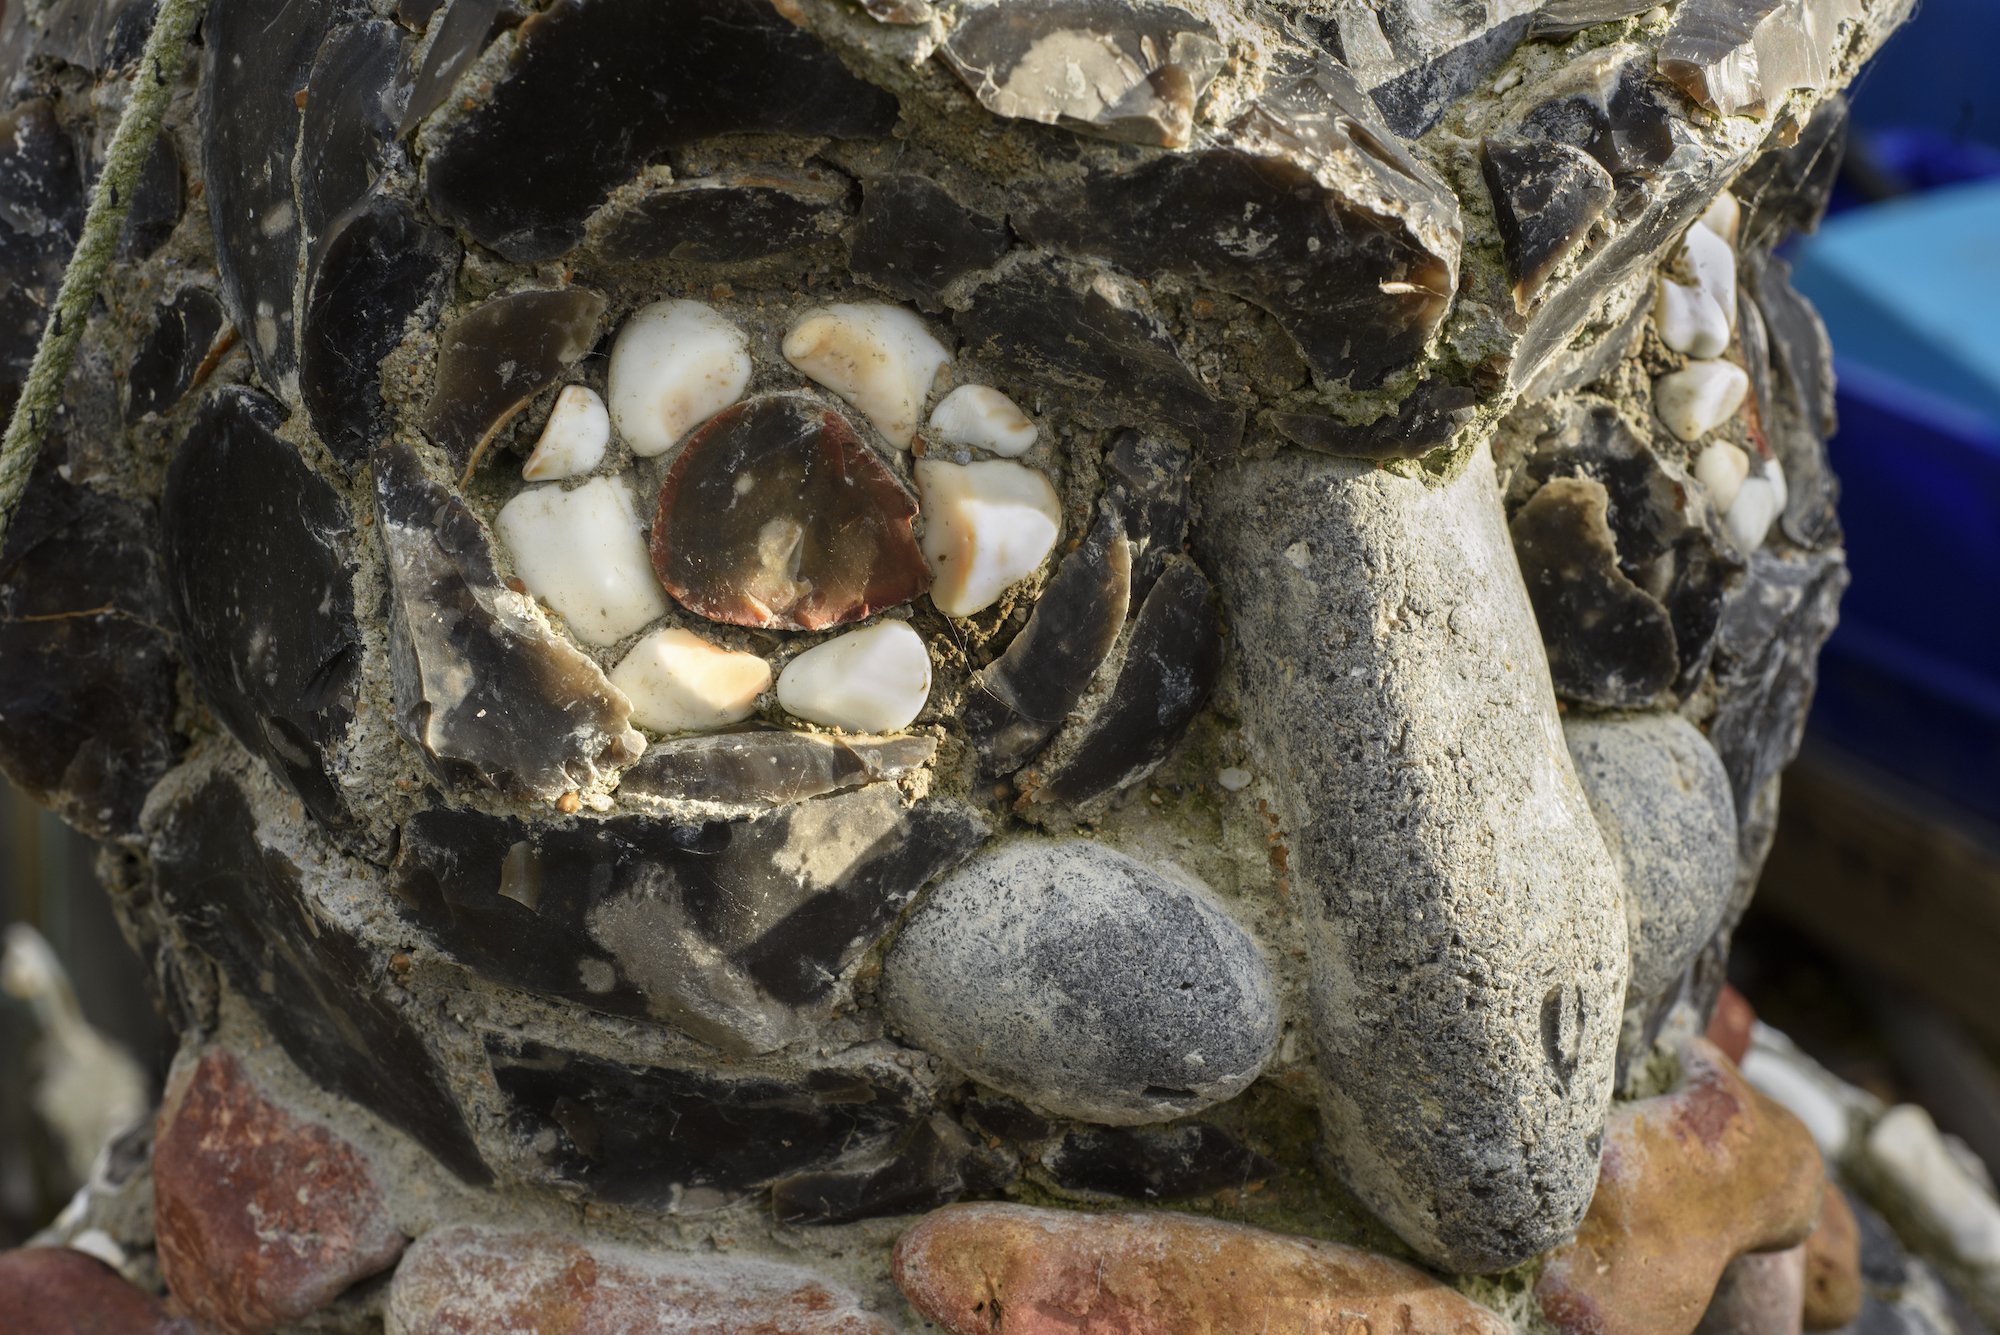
(777, 515)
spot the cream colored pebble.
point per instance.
(987, 525)
(875, 679)
(979, 417)
(573, 439)
(679, 682)
(1699, 397)
(674, 365)
(581, 552)
(882, 359)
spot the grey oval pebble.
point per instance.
(1085, 983)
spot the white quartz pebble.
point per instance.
(675, 364)
(1948, 1203)
(1688, 320)
(581, 553)
(1752, 513)
(1722, 216)
(1713, 261)
(1699, 397)
(1721, 468)
(573, 439)
(980, 417)
(875, 679)
(986, 525)
(679, 682)
(882, 359)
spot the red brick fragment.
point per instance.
(262, 1218)
(57, 1291)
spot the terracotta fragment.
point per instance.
(57, 1291)
(775, 514)
(1015, 1270)
(1688, 1182)
(262, 1218)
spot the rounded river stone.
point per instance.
(1085, 983)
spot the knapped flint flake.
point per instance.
(731, 1132)
(380, 268)
(776, 514)
(635, 78)
(348, 130)
(41, 214)
(933, 1164)
(256, 55)
(1172, 659)
(460, 37)
(1132, 70)
(484, 690)
(1800, 401)
(157, 198)
(1610, 643)
(496, 357)
(86, 672)
(1546, 198)
(259, 563)
(1146, 485)
(1092, 341)
(1144, 1163)
(1414, 101)
(731, 217)
(915, 240)
(1424, 421)
(1359, 276)
(1561, 18)
(318, 989)
(741, 933)
(1786, 188)
(747, 772)
(1740, 57)
(1605, 105)
(174, 351)
(1019, 700)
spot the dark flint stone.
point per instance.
(380, 268)
(320, 992)
(1359, 290)
(1168, 54)
(460, 38)
(349, 125)
(86, 674)
(95, 35)
(644, 1135)
(1605, 106)
(1739, 57)
(915, 240)
(1146, 486)
(721, 928)
(256, 55)
(775, 514)
(732, 217)
(499, 355)
(1170, 1163)
(1560, 18)
(1753, 339)
(416, 14)
(633, 79)
(259, 562)
(1668, 540)
(1799, 399)
(1610, 643)
(899, 11)
(998, 1115)
(1426, 420)
(749, 771)
(1114, 362)
(41, 215)
(156, 202)
(1546, 198)
(934, 1164)
(164, 368)
(1173, 657)
(483, 690)
(1414, 101)
(1018, 701)
(1767, 662)
(1786, 189)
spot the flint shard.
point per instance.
(1468, 952)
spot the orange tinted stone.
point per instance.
(1833, 1265)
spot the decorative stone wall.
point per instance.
(1028, 664)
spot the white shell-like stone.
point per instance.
(675, 364)
(581, 553)
(1721, 468)
(1907, 1151)
(980, 417)
(573, 439)
(1689, 321)
(1699, 397)
(986, 525)
(875, 679)
(679, 682)
(1722, 216)
(882, 359)
(1751, 515)
(1714, 263)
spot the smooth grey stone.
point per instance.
(1085, 983)
(1464, 918)
(1661, 798)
